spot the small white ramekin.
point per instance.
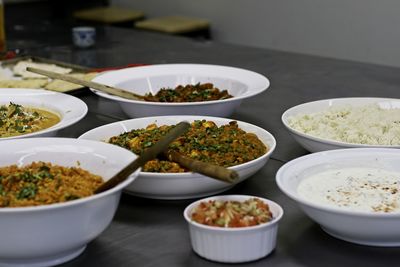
(234, 245)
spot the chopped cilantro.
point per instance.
(28, 191)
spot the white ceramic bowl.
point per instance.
(69, 108)
(234, 245)
(52, 234)
(315, 144)
(182, 185)
(240, 83)
(361, 227)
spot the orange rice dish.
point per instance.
(42, 183)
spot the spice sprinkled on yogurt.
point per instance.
(356, 189)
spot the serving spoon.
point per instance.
(147, 155)
(211, 170)
(98, 86)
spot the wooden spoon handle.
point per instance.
(147, 155)
(94, 85)
(211, 170)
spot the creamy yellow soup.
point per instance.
(17, 120)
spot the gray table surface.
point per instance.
(148, 232)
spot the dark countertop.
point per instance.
(149, 232)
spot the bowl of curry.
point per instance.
(237, 145)
(183, 89)
(46, 194)
(36, 112)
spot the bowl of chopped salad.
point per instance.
(183, 89)
(345, 123)
(233, 228)
(36, 112)
(236, 145)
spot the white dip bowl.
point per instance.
(357, 225)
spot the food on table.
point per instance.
(189, 93)
(41, 183)
(30, 83)
(226, 145)
(16, 120)
(250, 212)
(63, 86)
(17, 76)
(20, 69)
(367, 124)
(53, 85)
(357, 189)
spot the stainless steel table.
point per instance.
(149, 232)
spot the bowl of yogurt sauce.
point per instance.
(353, 194)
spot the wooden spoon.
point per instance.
(210, 170)
(147, 155)
(98, 86)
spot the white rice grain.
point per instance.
(368, 124)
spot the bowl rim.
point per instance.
(75, 202)
(341, 144)
(66, 118)
(256, 76)
(269, 224)
(154, 175)
(324, 208)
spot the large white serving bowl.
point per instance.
(182, 185)
(240, 83)
(361, 227)
(70, 109)
(315, 144)
(233, 245)
(52, 234)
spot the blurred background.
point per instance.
(358, 30)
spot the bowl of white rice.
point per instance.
(345, 123)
